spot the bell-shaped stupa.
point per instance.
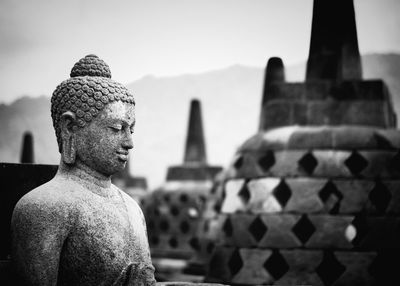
(314, 197)
(174, 211)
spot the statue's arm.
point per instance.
(39, 228)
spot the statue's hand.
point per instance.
(135, 274)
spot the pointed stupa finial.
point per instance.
(195, 147)
(274, 73)
(27, 155)
(334, 53)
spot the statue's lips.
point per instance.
(123, 155)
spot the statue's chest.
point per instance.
(107, 236)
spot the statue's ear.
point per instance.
(68, 129)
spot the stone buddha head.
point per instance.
(93, 117)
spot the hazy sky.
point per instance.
(41, 40)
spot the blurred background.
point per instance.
(168, 52)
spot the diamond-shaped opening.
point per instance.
(173, 242)
(258, 229)
(214, 189)
(155, 240)
(194, 243)
(383, 269)
(244, 193)
(303, 229)
(276, 265)
(214, 266)
(174, 210)
(267, 160)
(308, 163)
(331, 197)
(227, 227)
(395, 162)
(164, 225)
(206, 226)
(330, 269)
(361, 227)
(217, 207)
(183, 198)
(238, 163)
(282, 193)
(166, 198)
(380, 197)
(184, 226)
(210, 247)
(235, 263)
(356, 163)
(150, 225)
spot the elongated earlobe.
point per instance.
(69, 150)
(68, 153)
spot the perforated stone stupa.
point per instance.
(314, 197)
(174, 211)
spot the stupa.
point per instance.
(174, 211)
(27, 155)
(314, 197)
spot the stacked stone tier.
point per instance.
(310, 205)
(355, 102)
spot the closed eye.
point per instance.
(116, 127)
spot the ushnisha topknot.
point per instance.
(86, 93)
(91, 65)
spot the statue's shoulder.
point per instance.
(49, 198)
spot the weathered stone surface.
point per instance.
(249, 266)
(312, 198)
(323, 137)
(334, 50)
(364, 103)
(80, 229)
(320, 163)
(302, 267)
(259, 231)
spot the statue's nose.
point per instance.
(128, 141)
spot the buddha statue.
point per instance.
(79, 228)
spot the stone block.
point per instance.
(251, 270)
(357, 268)
(330, 232)
(302, 265)
(249, 266)
(304, 195)
(276, 113)
(355, 196)
(261, 231)
(218, 270)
